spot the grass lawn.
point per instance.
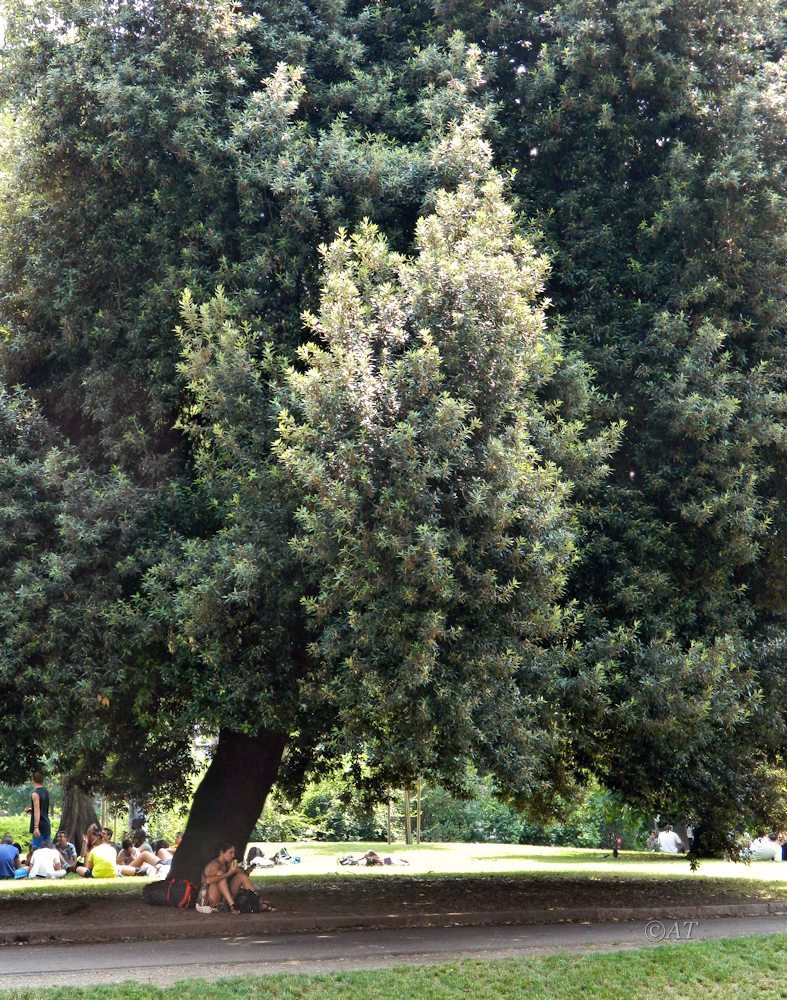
(484, 859)
(715, 970)
(319, 864)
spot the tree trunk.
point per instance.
(408, 823)
(229, 799)
(79, 811)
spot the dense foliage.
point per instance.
(385, 530)
(328, 811)
(654, 137)
(189, 107)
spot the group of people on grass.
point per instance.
(765, 847)
(100, 856)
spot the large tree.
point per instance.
(182, 567)
(150, 149)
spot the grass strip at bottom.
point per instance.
(716, 970)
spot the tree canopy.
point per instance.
(293, 442)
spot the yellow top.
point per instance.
(102, 857)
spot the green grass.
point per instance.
(71, 885)
(319, 861)
(715, 970)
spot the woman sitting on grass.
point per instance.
(223, 879)
(103, 861)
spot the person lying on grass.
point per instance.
(372, 858)
(223, 879)
(131, 861)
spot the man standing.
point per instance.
(40, 828)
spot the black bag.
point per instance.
(177, 892)
(155, 894)
(247, 901)
(181, 893)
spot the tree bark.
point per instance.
(79, 811)
(229, 799)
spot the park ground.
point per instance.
(445, 885)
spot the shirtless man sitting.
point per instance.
(223, 878)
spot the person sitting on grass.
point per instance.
(10, 858)
(131, 861)
(222, 879)
(67, 851)
(46, 862)
(106, 835)
(100, 861)
(143, 863)
(163, 851)
(256, 859)
(93, 836)
(141, 842)
(670, 842)
(766, 848)
(127, 852)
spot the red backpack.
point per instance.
(181, 893)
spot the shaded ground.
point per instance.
(366, 899)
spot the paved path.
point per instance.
(162, 963)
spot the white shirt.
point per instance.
(669, 842)
(43, 863)
(765, 849)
